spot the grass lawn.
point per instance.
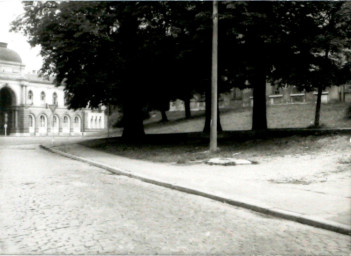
(278, 116)
(175, 142)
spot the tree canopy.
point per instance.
(103, 52)
(137, 54)
(306, 44)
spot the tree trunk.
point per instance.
(132, 92)
(319, 97)
(259, 111)
(187, 107)
(164, 115)
(133, 122)
(219, 125)
(207, 126)
(318, 106)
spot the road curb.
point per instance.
(292, 216)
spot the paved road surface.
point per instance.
(54, 205)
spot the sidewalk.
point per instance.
(316, 198)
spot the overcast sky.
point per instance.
(9, 10)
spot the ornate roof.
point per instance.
(8, 55)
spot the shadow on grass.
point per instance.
(178, 117)
(184, 147)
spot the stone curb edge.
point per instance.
(303, 219)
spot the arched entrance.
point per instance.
(32, 124)
(7, 101)
(66, 124)
(55, 124)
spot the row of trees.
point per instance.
(137, 54)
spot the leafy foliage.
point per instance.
(137, 54)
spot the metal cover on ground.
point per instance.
(227, 161)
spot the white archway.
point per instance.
(66, 124)
(7, 101)
(30, 97)
(77, 124)
(55, 124)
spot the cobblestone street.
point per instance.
(53, 205)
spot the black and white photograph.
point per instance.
(175, 128)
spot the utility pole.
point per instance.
(214, 80)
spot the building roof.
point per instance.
(34, 77)
(8, 54)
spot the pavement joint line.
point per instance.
(284, 214)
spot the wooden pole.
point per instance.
(214, 80)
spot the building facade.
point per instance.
(291, 95)
(274, 96)
(33, 106)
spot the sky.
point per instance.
(9, 10)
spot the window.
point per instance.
(30, 95)
(42, 96)
(31, 121)
(31, 124)
(76, 123)
(42, 121)
(55, 121)
(66, 122)
(100, 126)
(276, 90)
(54, 98)
(295, 90)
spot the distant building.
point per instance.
(291, 95)
(33, 106)
(274, 96)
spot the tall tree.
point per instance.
(100, 51)
(319, 55)
(297, 43)
(331, 49)
(256, 43)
